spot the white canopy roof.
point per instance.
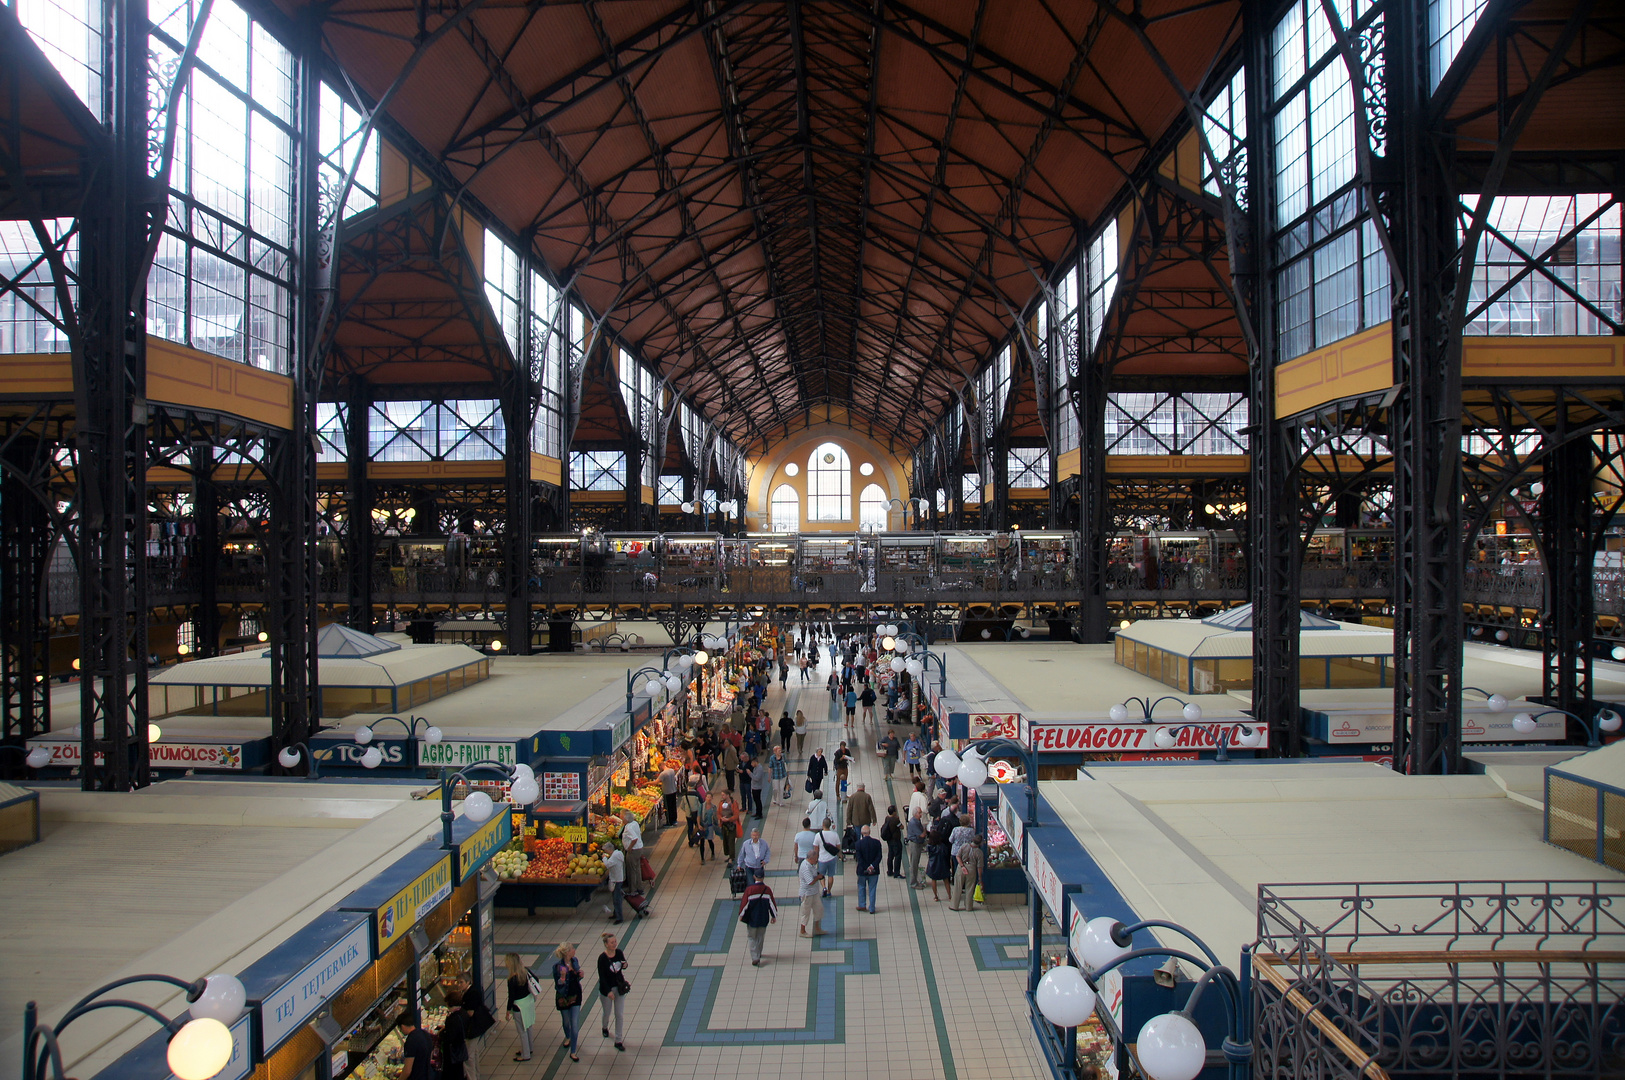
(400, 666)
(1204, 641)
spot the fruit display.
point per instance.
(509, 864)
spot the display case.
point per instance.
(372, 1048)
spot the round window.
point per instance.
(792, 469)
(867, 468)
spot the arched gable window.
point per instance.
(784, 511)
(872, 513)
(829, 484)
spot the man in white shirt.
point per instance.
(812, 905)
(818, 809)
(828, 838)
(615, 873)
(805, 839)
(632, 842)
(919, 801)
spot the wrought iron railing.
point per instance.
(1440, 979)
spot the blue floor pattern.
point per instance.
(826, 1013)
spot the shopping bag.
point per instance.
(646, 870)
(976, 897)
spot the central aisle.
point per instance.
(915, 990)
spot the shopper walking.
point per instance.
(780, 774)
(801, 732)
(615, 875)
(828, 850)
(887, 749)
(730, 764)
(812, 904)
(860, 809)
(759, 779)
(787, 728)
(692, 802)
(851, 707)
(708, 828)
(843, 769)
(805, 839)
(632, 844)
(668, 793)
(802, 662)
(567, 995)
(911, 755)
(939, 865)
(818, 809)
(728, 826)
(867, 700)
(968, 877)
(521, 1004)
(817, 769)
(754, 854)
(612, 985)
(916, 847)
(757, 909)
(866, 863)
(919, 800)
(891, 831)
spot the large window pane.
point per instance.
(829, 484)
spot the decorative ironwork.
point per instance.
(1428, 979)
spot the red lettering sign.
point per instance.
(1090, 737)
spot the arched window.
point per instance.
(872, 513)
(829, 484)
(785, 509)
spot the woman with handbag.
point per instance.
(612, 984)
(567, 995)
(522, 987)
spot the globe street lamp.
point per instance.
(431, 734)
(1604, 720)
(477, 805)
(199, 1047)
(970, 767)
(290, 756)
(1170, 1046)
(1119, 713)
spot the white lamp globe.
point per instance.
(433, 735)
(973, 773)
(672, 682)
(986, 634)
(363, 735)
(1618, 652)
(1097, 949)
(1170, 1048)
(898, 664)
(1608, 720)
(702, 658)
(653, 687)
(154, 733)
(288, 757)
(200, 1049)
(1251, 736)
(1523, 723)
(946, 764)
(525, 791)
(1501, 635)
(1064, 997)
(1118, 713)
(373, 758)
(1193, 712)
(685, 661)
(1164, 739)
(477, 807)
(1497, 703)
(888, 643)
(523, 771)
(688, 508)
(223, 999)
(915, 668)
(39, 757)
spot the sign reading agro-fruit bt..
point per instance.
(461, 753)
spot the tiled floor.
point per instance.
(914, 991)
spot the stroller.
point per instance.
(849, 842)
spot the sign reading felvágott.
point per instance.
(463, 752)
(485, 842)
(407, 907)
(285, 1011)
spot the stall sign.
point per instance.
(1044, 879)
(622, 732)
(1109, 991)
(282, 1013)
(242, 1055)
(462, 752)
(348, 753)
(407, 908)
(1090, 737)
(160, 755)
(995, 725)
(1488, 727)
(561, 786)
(486, 841)
(1010, 821)
(575, 834)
